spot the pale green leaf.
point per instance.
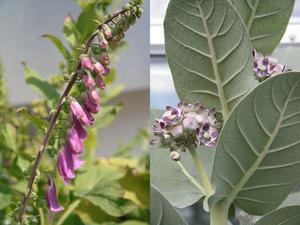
(162, 212)
(40, 85)
(266, 21)
(209, 52)
(285, 216)
(38, 122)
(57, 42)
(257, 160)
(5, 200)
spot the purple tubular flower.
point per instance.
(207, 135)
(90, 105)
(100, 82)
(93, 95)
(86, 63)
(74, 141)
(82, 133)
(266, 66)
(99, 68)
(67, 163)
(51, 197)
(104, 59)
(107, 71)
(89, 115)
(79, 113)
(88, 80)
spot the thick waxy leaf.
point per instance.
(285, 216)
(266, 21)
(209, 52)
(162, 212)
(257, 160)
(168, 177)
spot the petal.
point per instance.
(51, 197)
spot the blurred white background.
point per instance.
(21, 25)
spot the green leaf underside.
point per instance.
(285, 216)
(209, 52)
(162, 212)
(266, 21)
(257, 160)
(167, 176)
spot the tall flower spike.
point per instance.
(185, 125)
(51, 197)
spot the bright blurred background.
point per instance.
(23, 22)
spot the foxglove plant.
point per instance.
(251, 167)
(92, 66)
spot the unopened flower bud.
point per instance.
(107, 31)
(104, 59)
(103, 42)
(88, 80)
(99, 69)
(51, 197)
(93, 95)
(100, 82)
(79, 113)
(174, 155)
(86, 63)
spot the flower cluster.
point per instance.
(266, 66)
(185, 125)
(93, 66)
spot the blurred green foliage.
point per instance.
(106, 191)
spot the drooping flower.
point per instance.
(74, 141)
(104, 58)
(86, 63)
(88, 80)
(90, 105)
(266, 66)
(185, 125)
(99, 69)
(82, 133)
(51, 197)
(100, 82)
(67, 163)
(93, 95)
(79, 113)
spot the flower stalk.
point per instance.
(65, 94)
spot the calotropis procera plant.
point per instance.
(91, 67)
(216, 50)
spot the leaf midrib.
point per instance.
(224, 105)
(252, 15)
(229, 199)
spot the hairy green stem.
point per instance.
(219, 214)
(42, 216)
(69, 210)
(190, 177)
(205, 181)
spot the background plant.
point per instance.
(116, 200)
(209, 50)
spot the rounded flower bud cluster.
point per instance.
(185, 125)
(266, 66)
(93, 67)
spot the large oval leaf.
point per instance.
(209, 52)
(257, 160)
(285, 216)
(266, 21)
(162, 212)
(168, 177)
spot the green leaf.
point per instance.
(37, 121)
(257, 159)
(162, 212)
(41, 85)
(209, 52)
(292, 199)
(168, 178)
(266, 21)
(99, 185)
(287, 216)
(8, 136)
(70, 31)
(5, 200)
(57, 42)
(85, 23)
(133, 222)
